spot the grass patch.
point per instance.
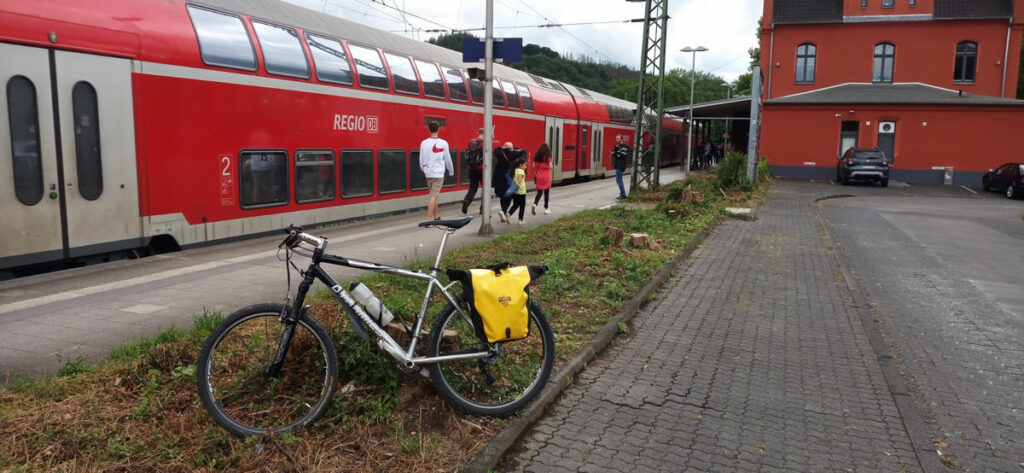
(138, 411)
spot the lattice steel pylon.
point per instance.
(650, 104)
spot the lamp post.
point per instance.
(689, 135)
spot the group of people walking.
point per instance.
(509, 170)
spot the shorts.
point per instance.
(434, 184)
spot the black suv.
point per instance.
(869, 164)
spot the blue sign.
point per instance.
(505, 50)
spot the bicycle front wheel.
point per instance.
(238, 394)
(500, 384)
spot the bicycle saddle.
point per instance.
(453, 224)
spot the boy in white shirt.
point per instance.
(434, 160)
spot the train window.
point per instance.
(476, 89)
(223, 40)
(23, 119)
(369, 67)
(456, 85)
(330, 60)
(282, 50)
(463, 168)
(527, 99)
(391, 171)
(314, 176)
(450, 180)
(356, 173)
(263, 178)
(87, 140)
(433, 85)
(417, 181)
(403, 74)
(511, 95)
(498, 97)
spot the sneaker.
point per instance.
(465, 206)
(533, 210)
(547, 212)
(501, 216)
(522, 222)
(508, 219)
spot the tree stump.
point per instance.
(614, 235)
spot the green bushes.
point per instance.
(732, 171)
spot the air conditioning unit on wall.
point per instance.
(886, 128)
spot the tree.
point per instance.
(451, 41)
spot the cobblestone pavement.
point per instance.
(752, 358)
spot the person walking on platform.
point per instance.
(434, 160)
(620, 160)
(475, 163)
(542, 177)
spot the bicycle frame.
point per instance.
(356, 313)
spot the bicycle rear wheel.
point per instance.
(231, 380)
(500, 384)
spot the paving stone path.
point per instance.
(752, 358)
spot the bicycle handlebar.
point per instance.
(297, 236)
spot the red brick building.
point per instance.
(931, 82)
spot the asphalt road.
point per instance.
(943, 269)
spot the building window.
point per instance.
(282, 50)
(885, 56)
(223, 40)
(263, 176)
(888, 3)
(23, 119)
(805, 59)
(863, 3)
(966, 62)
(330, 60)
(913, 3)
(314, 176)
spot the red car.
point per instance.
(1007, 178)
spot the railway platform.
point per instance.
(50, 319)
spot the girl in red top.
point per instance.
(542, 178)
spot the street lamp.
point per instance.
(728, 130)
(689, 135)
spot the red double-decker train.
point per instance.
(158, 124)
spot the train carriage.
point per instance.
(156, 124)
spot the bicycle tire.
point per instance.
(520, 369)
(245, 402)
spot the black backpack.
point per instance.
(475, 153)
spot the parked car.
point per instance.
(1007, 178)
(863, 164)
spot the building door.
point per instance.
(887, 139)
(848, 136)
(69, 187)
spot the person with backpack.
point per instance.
(475, 163)
(500, 175)
(620, 160)
(542, 177)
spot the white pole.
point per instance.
(485, 224)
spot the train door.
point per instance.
(586, 131)
(596, 149)
(72, 189)
(570, 150)
(554, 137)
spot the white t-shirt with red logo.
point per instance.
(435, 158)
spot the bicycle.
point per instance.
(270, 367)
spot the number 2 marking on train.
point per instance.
(227, 165)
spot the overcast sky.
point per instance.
(726, 27)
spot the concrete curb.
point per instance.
(489, 457)
(917, 430)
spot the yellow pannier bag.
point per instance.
(498, 298)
